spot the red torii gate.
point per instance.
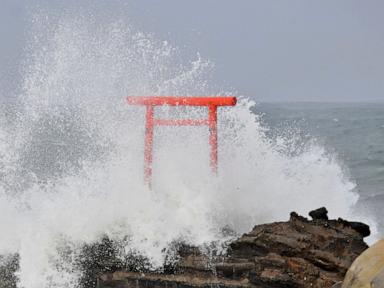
(152, 101)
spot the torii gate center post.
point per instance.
(151, 101)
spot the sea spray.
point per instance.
(74, 155)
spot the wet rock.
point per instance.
(319, 214)
(297, 253)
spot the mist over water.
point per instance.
(71, 153)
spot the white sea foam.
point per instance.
(73, 168)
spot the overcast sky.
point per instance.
(280, 50)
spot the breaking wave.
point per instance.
(71, 153)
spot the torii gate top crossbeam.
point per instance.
(182, 101)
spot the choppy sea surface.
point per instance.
(354, 132)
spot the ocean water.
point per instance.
(354, 132)
(71, 152)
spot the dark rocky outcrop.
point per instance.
(8, 266)
(319, 214)
(362, 228)
(296, 253)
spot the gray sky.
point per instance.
(280, 50)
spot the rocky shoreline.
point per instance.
(297, 253)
